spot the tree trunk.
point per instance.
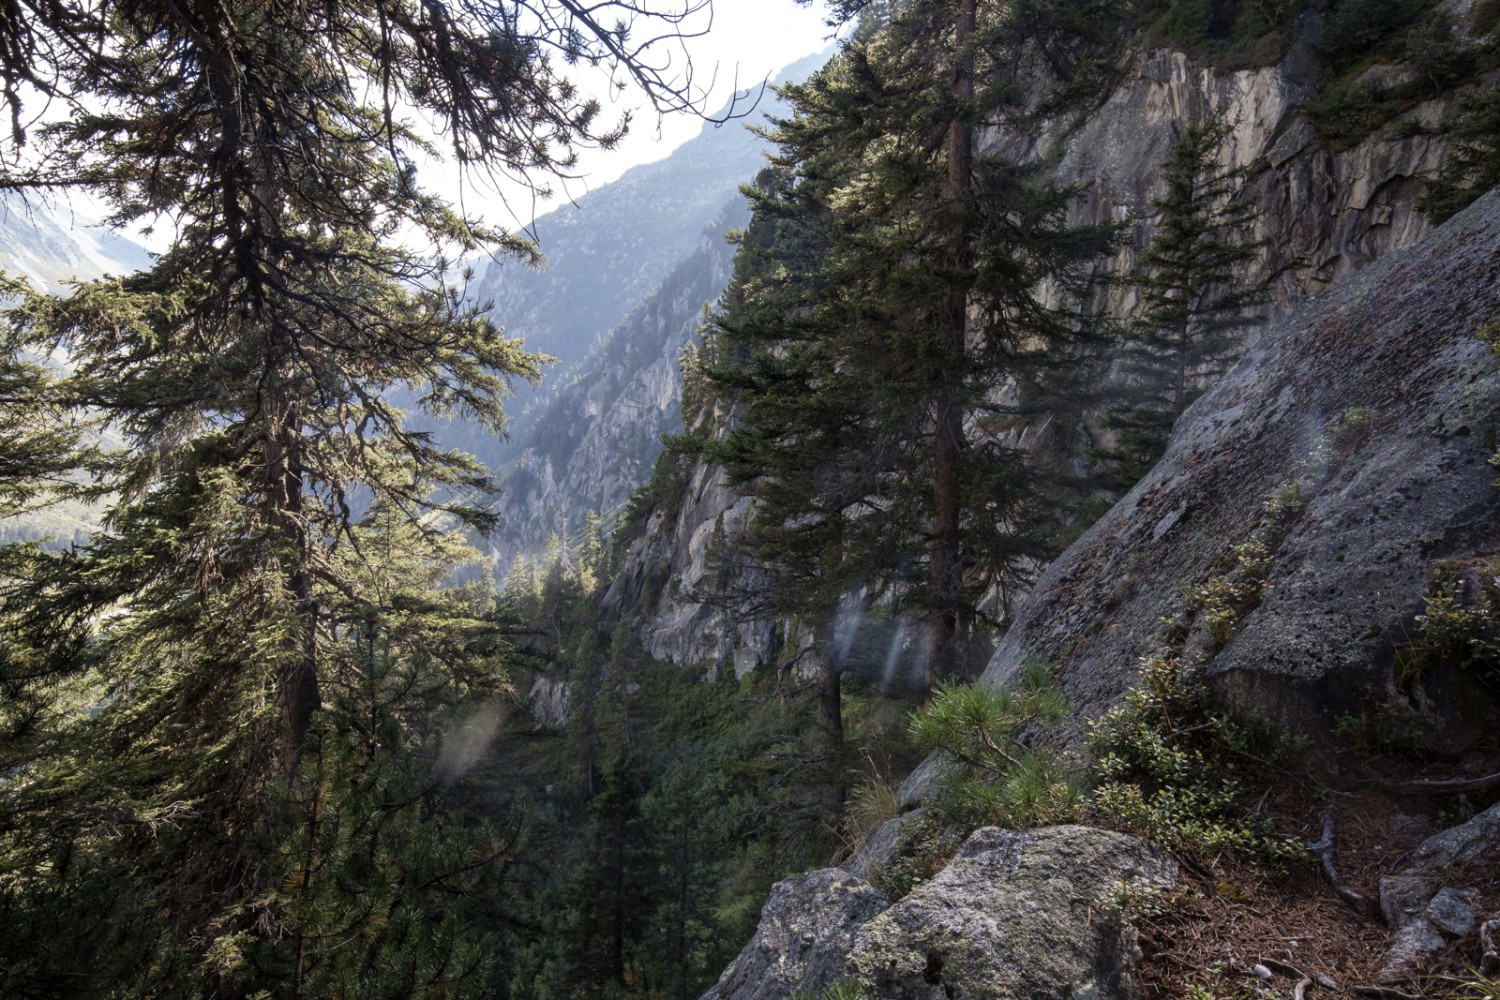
(947, 480)
(297, 679)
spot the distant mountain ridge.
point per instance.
(51, 243)
(597, 439)
(606, 254)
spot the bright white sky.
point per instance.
(747, 41)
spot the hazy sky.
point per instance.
(746, 41)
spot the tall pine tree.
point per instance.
(886, 306)
(234, 738)
(1196, 300)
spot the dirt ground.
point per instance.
(1232, 917)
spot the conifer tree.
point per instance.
(1473, 164)
(889, 296)
(1195, 299)
(211, 634)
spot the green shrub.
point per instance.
(1166, 766)
(844, 989)
(1481, 987)
(1390, 727)
(1239, 585)
(1460, 623)
(1234, 32)
(995, 781)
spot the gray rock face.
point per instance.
(669, 569)
(1017, 914)
(1345, 581)
(1448, 915)
(596, 439)
(880, 845)
(1411, 894)
(803, 939)
(548, 701)
(1324, 216)
(1459, 845)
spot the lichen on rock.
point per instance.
(1023, 914)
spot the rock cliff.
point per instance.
(1340, 464)
(1324, 215)
(595, 440)
(1015, 914)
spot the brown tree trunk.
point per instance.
(831, 724)
(297, 679)
(947, 480)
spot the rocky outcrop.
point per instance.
(685, 586)
(1016, 914)
(1424, 907)
(1324, 215)
(802, 943)
(1352, 446)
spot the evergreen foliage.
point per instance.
(1170, 768)
(1384, 59)
(1231, 32)
(1195, 301)
(228, 706)
(663, 809)
(1473, 165)
(884, 304)
(994, 779)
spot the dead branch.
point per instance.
(1384, 993)
(1324, 849)
(1299, 992)
(1449, 786)
(1283, 968)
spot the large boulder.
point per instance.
(1016, 914)
(803, 939)
(1378, 405)
(1021, 914)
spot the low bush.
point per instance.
(1167, 765)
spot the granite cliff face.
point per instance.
(1324, 214)
(595, 440)
(1352, 447)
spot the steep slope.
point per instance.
(595, 440)
(50, 243)
(605, 255)
(1336, 478)
(1324, 213)
(1357, 519)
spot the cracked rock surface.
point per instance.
(1021, 914)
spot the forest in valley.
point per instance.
(272, 728)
